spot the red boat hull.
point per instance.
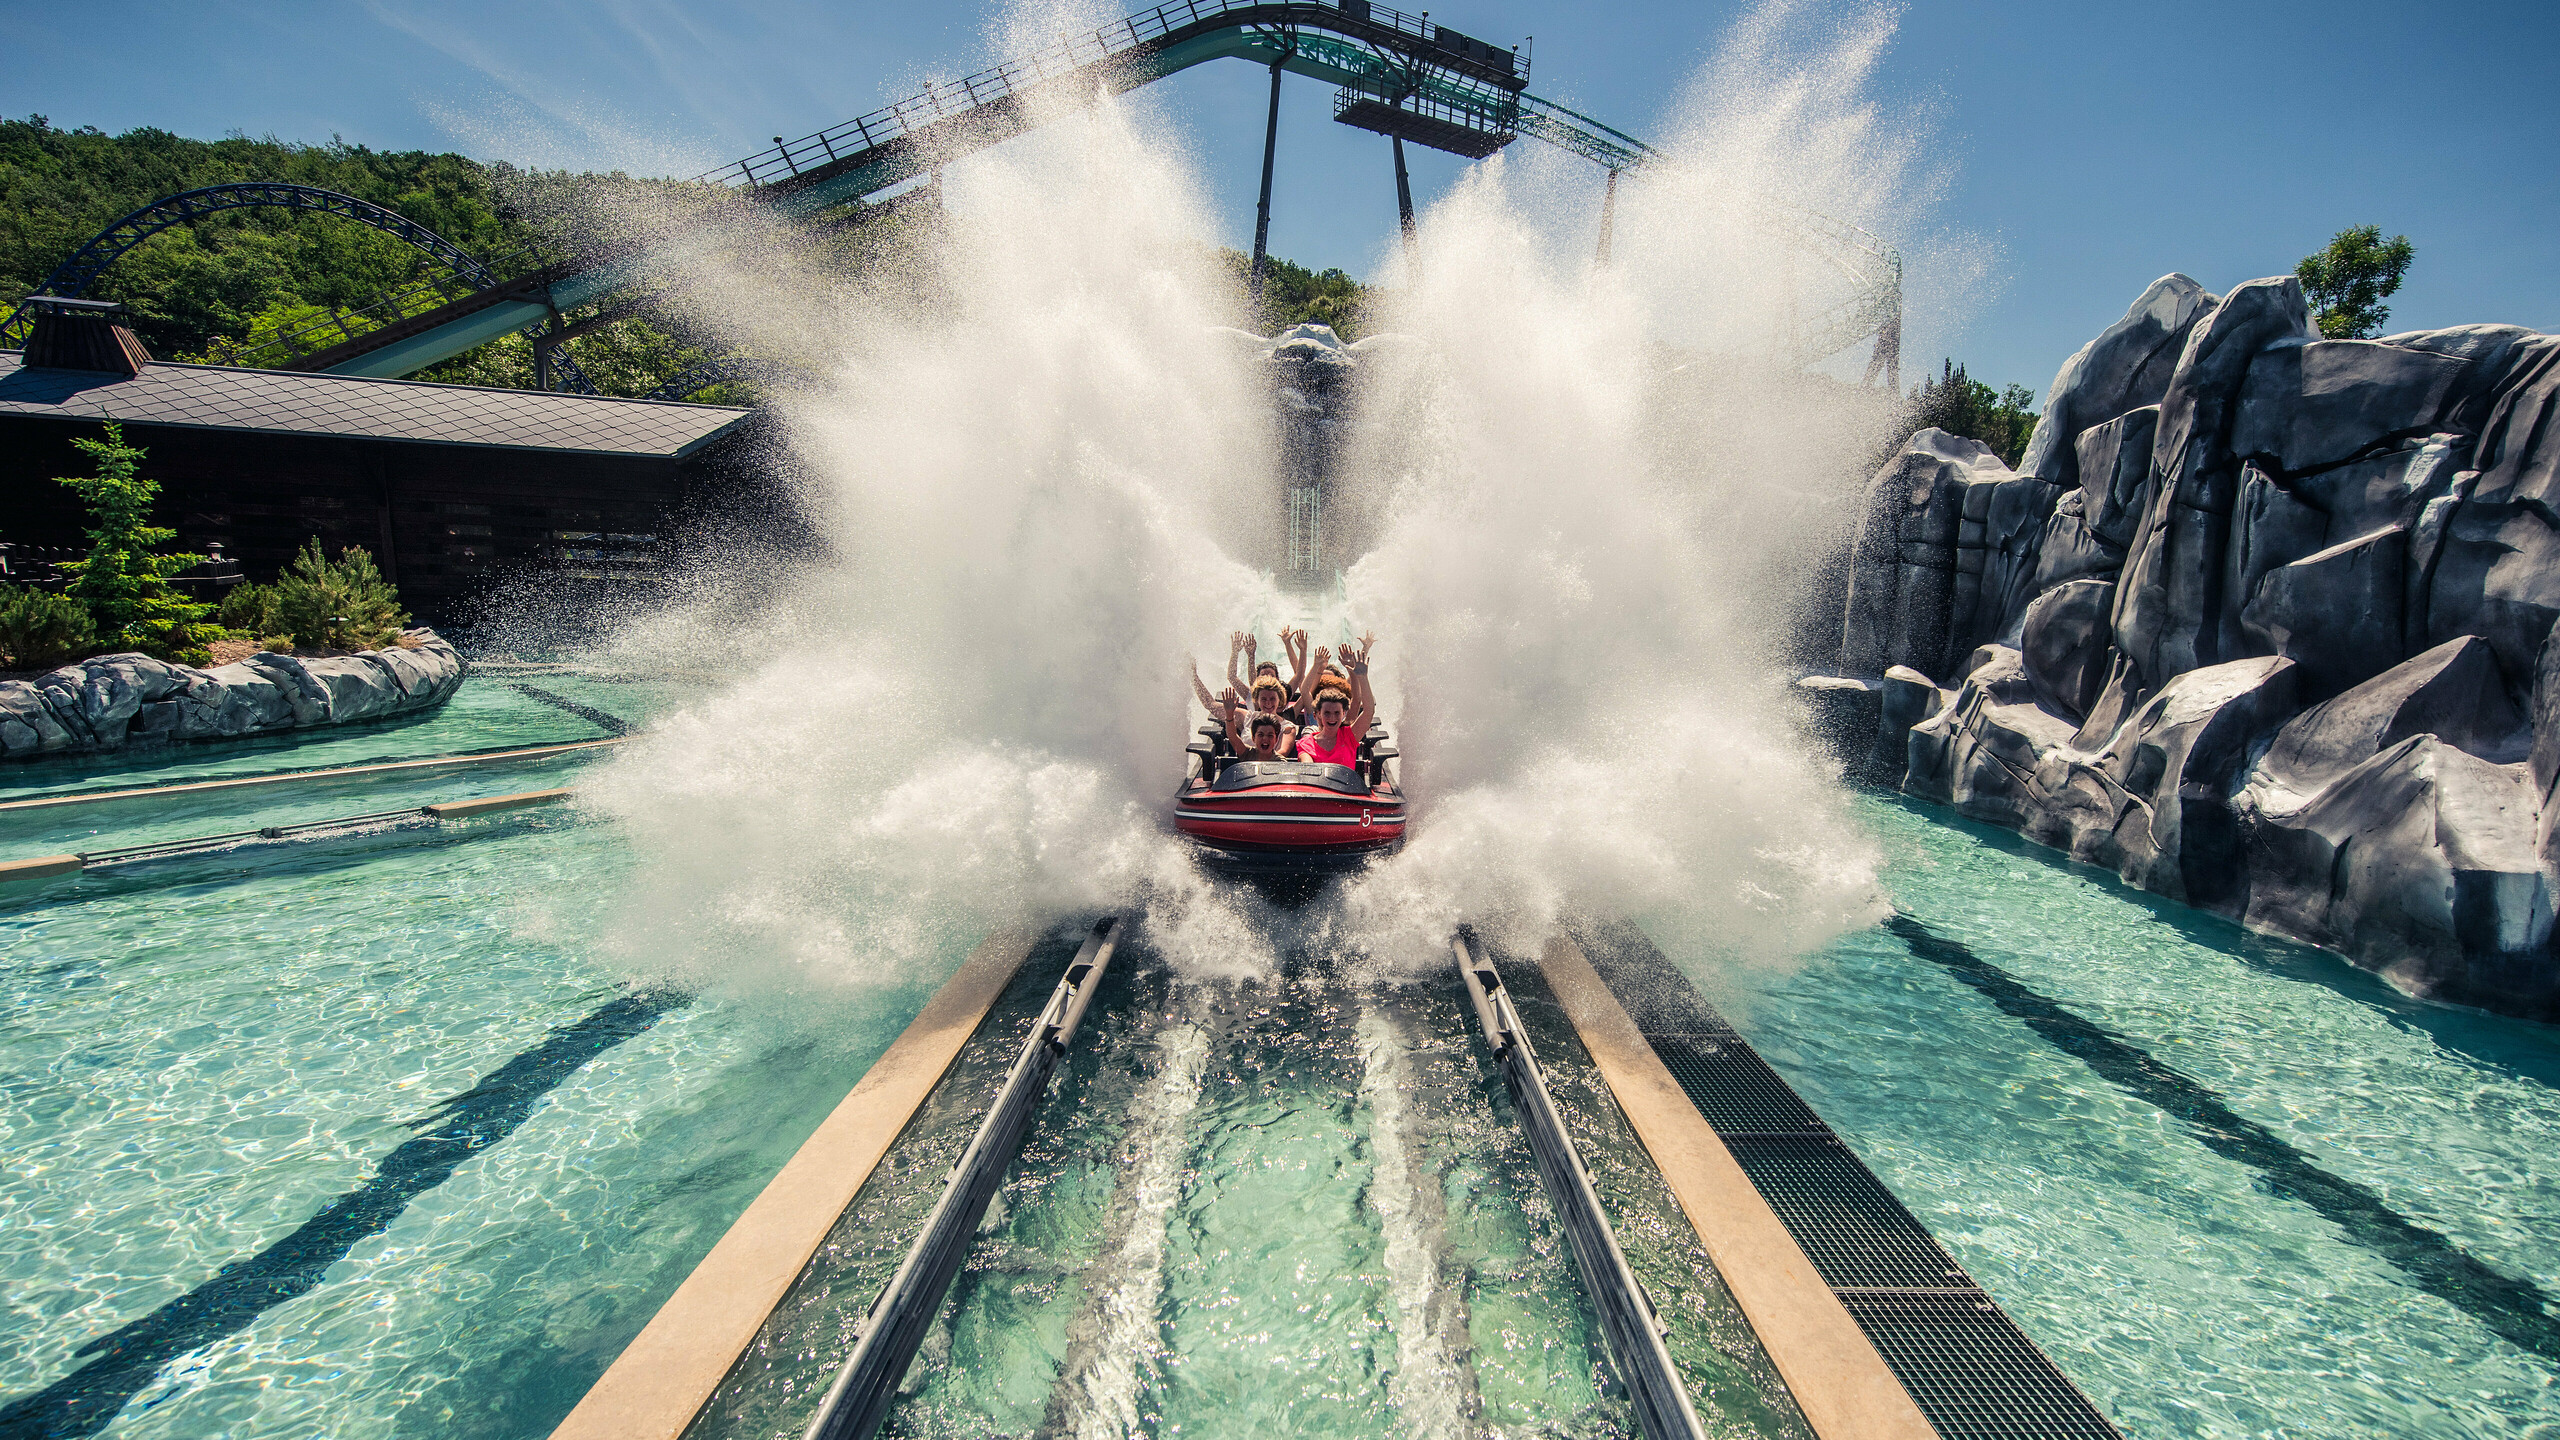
(1281, 819)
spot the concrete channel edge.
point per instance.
(663, 1377)
(1838, 1378)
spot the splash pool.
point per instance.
(2232, 1185)
(371, 1140)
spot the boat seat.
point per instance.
(1375, 752)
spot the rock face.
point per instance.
(113, 701)
(2263, 622)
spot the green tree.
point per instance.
(123, 582)
(2346, 283)
(1292, 294)
(221, 288)
(1961, 405)
(341, 604)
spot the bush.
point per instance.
(250, 612)
(341, 604)
(40, 630)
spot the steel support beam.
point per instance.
(1404, 206)
(1608, 216)
(1262, 208)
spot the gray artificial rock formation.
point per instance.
(113, 701)
(1915, 581)
(2263, 622)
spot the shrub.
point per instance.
(250, 611)
(123, 581)
(341, 604)
(40, 630)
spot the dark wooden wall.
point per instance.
(443, 521)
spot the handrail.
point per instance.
(859, 1399)
(1068, 53)
(1627, 1317)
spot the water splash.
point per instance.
(1042, 473)
(1601, 514)
(970, 708)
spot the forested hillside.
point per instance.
(201, 291)
(196, 290)
(194, 284)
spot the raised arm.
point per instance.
(1203, 691)
(1314, 676)
(1239, 642)
(1295, 642)
(1364, 703)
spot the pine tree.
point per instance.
(124, 581)
(341, 604)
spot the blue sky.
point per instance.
(2094, 146)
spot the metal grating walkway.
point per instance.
(1973, 1372)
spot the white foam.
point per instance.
(1433, 1386)
(1117, 1339)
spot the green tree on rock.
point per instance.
(124, 580)
(1961, 405)
(2346, 283)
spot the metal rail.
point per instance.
(1415, 39)
(380, 821)
(859, 1399)
(1627, 1317)
(282, 777)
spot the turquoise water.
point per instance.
(197, 1061)
(484, 714)
(1292, 1206)
(194, 1066)
(2188, 1292)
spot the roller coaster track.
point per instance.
(74, 276)
(461, 275)
(1368, 50)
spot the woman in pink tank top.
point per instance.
(1341, 714)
